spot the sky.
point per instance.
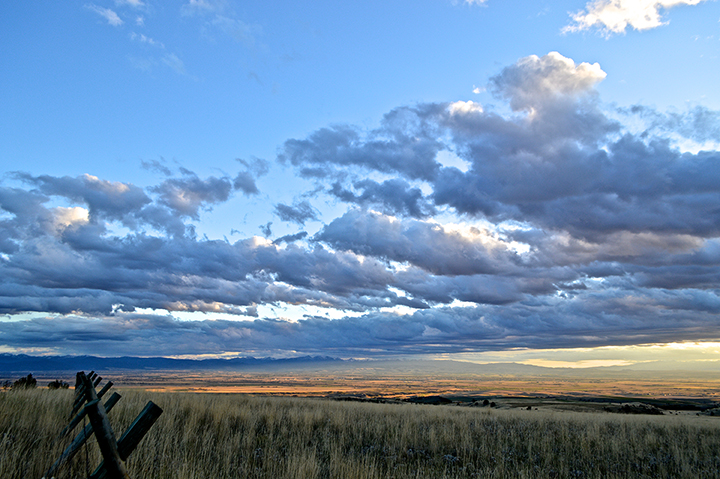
(483, 180)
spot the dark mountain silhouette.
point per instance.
(23, 362)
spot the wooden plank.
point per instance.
(80, 415)
(137, 430)
(105, 389)
(132, 436)
(78, 383)
(104, 435)
(80, 439)
(80, 396)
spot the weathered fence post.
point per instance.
(132, 436)
(81, 414)
(113, 452)
(103, 433)
(80, 439)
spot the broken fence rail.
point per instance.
(113, 452)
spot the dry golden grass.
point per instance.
(236, 436)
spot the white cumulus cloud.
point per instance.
(65, 217)
(614, 16)
(464, 108)
(533, 80)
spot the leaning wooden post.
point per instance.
(105, 389)
(80, 396)
(79, 440)
(132, 436)
(137, 430)
(104, 434)
(81, 414)
(113, 452)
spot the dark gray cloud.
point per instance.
(245, 181)
(551, 323)
(394, 196)
(299, 212)
(429, 246)
(105, 199)
(156, 166)
(406, 143)
(266, 229)
(90, 273)
(185, 196)
(291, 238)
(699, 123)
(561, 163)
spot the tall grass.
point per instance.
(229, 436)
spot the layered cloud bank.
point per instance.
(556, 224)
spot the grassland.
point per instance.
(231, 435)
(447, 378)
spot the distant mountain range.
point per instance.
(14, 364)
(32, 364)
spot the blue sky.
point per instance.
(208, 177)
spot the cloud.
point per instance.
(394, 196)
(131, 3)
(465, 107)
(246, 180)
(69, 217)
(237, 29)
(699, 124)
(106, 200)
(176, 199)
(614, 16)
(430, 246)
(535, 81)
(84, 269)
(559, 323)
(266, 229)
(406, 143)
(193, 7)
(109, 15)
(147, 40)
(584, 190)
(156, 166)
(573, 225)
(186, 195)
(291, 238)
(299, 212)
(172, 61)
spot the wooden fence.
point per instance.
(88, 404)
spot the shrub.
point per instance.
(28, 382)
(57, 384)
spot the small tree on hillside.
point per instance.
(27, 382)
(57, 384)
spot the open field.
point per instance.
(234, 435)
(412, 378)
